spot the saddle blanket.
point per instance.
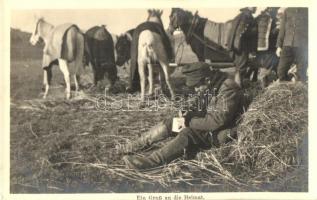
(218, 33)
(154, 27)
(54, 46)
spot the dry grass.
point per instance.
(73, 146)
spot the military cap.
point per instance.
(195, 73)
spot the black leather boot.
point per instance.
(172, 150)
(155, 134)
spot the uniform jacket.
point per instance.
(223, 108)
(267, 32)
(240, 37)
(294, 28)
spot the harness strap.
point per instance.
(192, 25)
(211, 45)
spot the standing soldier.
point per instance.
(241, 40)
(209, 127)
(292, 43)
(266, 59)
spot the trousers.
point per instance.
(201, 140)
(293, 55)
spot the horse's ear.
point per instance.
(160, 12)
(149, 11)
(36, 17)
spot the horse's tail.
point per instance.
(149, 53)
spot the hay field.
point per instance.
(59, 146)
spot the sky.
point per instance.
(117, 21)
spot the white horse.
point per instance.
(68, 42)
(151, 49)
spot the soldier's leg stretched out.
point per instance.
(157, 133)
(187, 143)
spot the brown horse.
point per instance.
(151, 50)
(64, 44)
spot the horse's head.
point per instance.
(36, 35)
(178, 17)
(155, 16)
(123, 46)
(272, 11)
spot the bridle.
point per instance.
(35, 33)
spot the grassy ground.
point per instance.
(47, 133)
(59, 146)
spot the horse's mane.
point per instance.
(156, 15)
(131, 31)
(189, 15)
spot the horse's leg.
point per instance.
(141, 70)
(150, 78)
(95, 74)
(76, 79)
(46, 84)
(163, 82)
(47, 80)
(64, 68)
(164, 66)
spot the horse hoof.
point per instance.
(151, 97)
(142, 105)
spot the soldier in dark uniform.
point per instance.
(266, 60)
(242, 41)
(292, 43)
(209, 127)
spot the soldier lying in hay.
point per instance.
(203, 129)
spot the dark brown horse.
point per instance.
(224, 50)
(123, 47)
(99, 50)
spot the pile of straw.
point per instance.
(272, 130)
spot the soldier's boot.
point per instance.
(172, 150)
(155, 134)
